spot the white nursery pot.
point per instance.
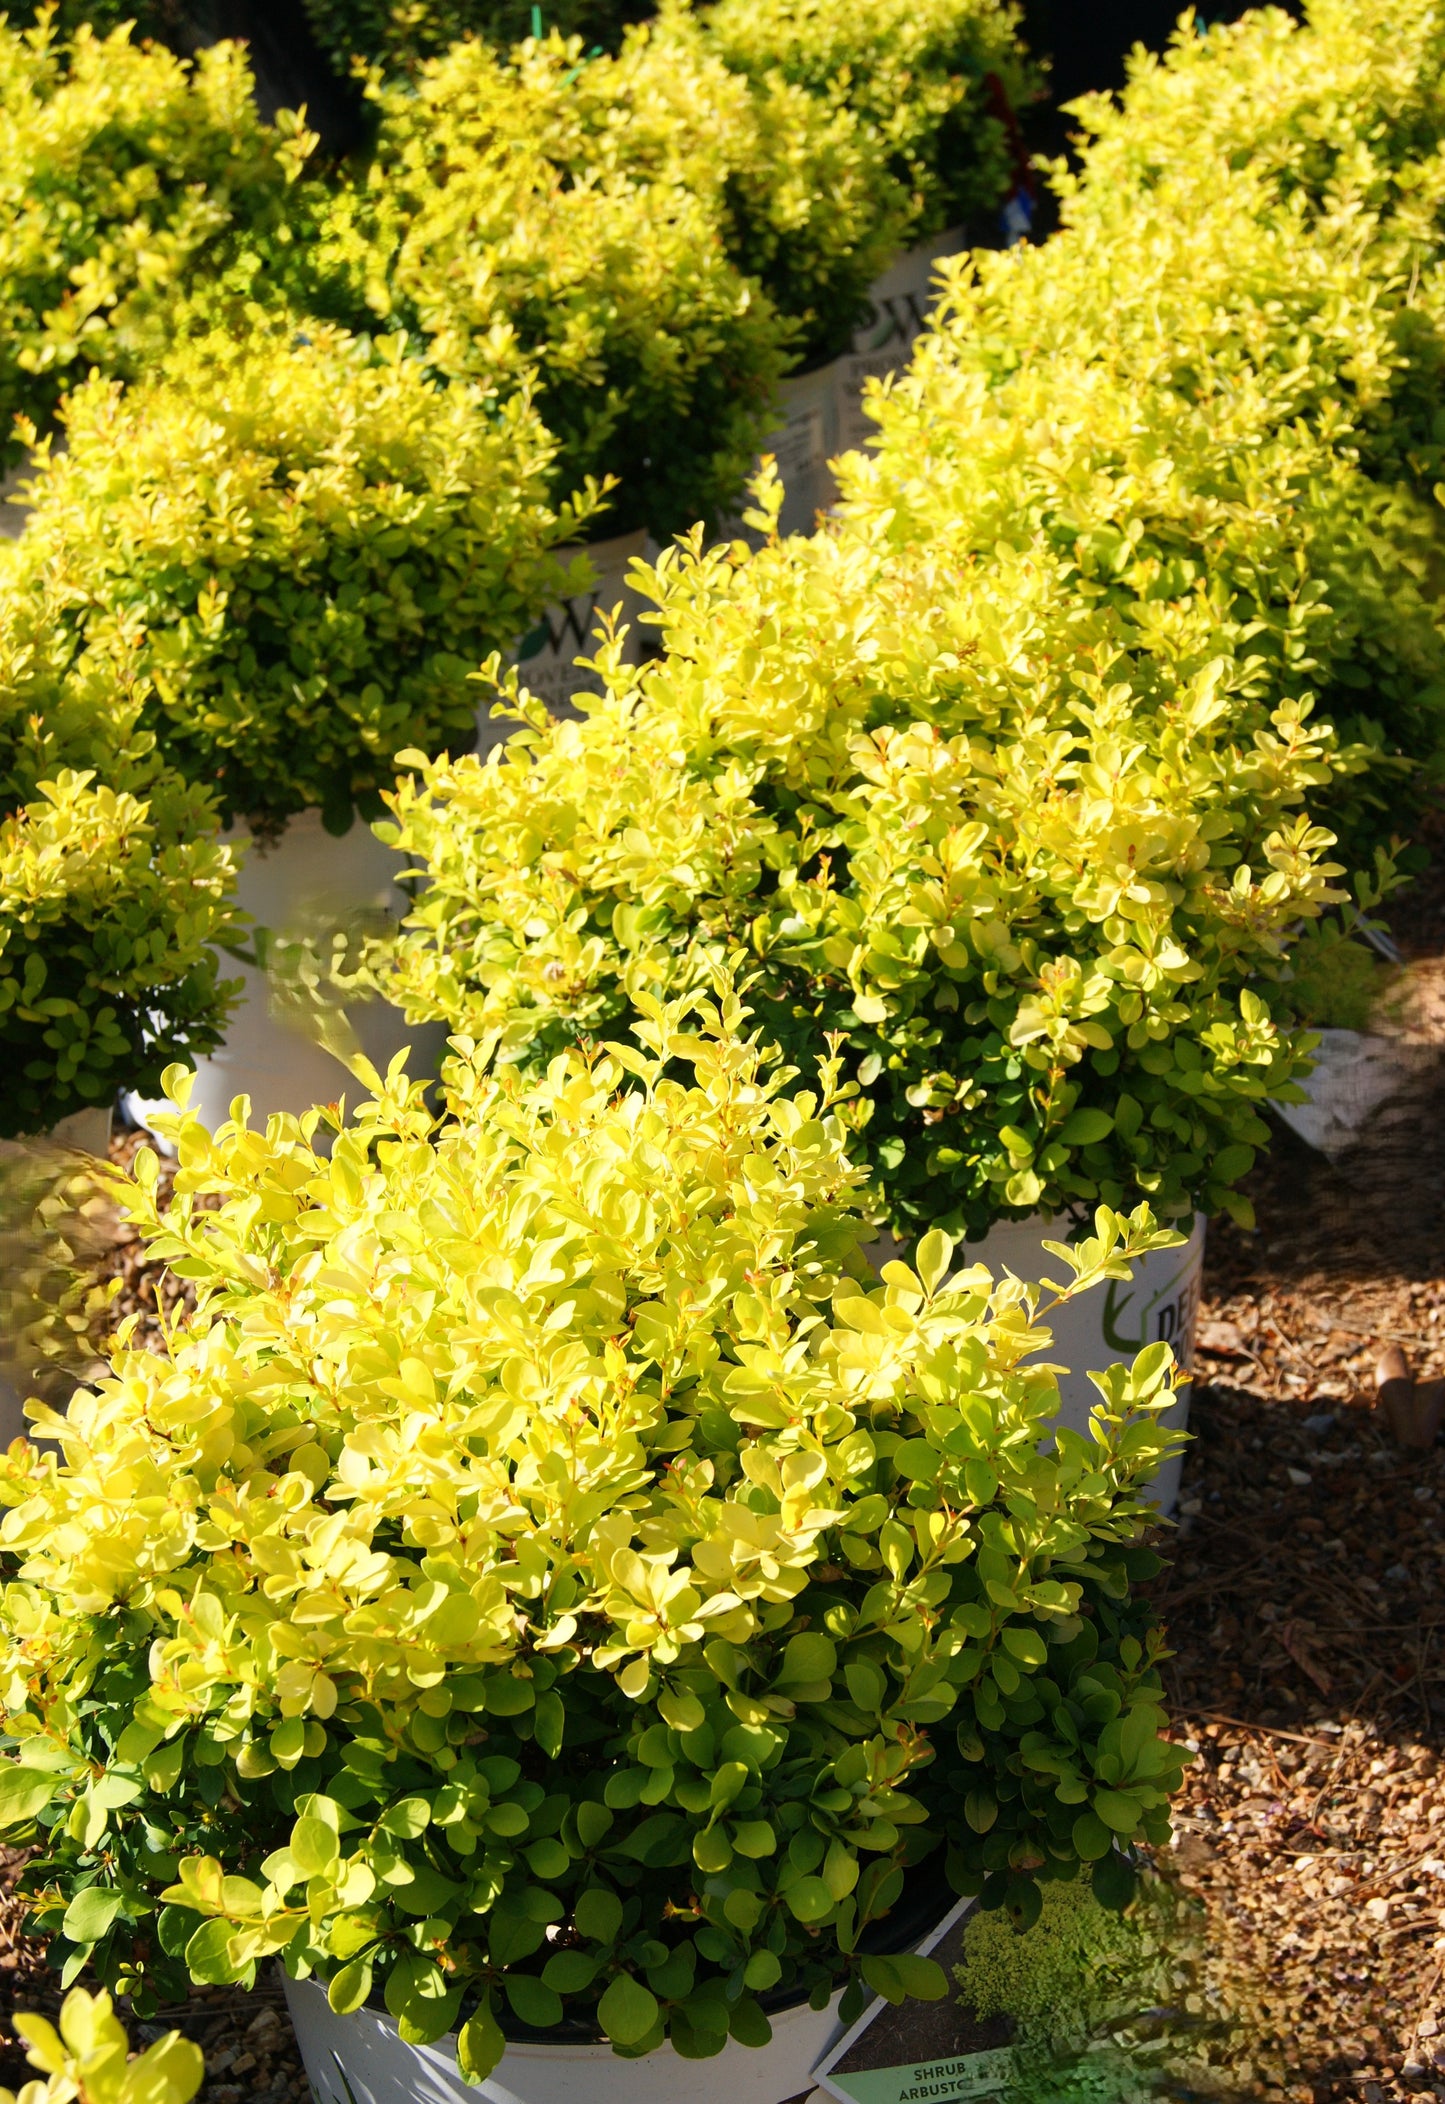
(1355, 1073)
(820, 413)
(360, 2059)
(308, 882)
(802, 442)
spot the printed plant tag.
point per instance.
(902, 301)
(803, 444)
(923, 2052)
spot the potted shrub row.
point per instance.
(1023, 777)
(329, 526)
(114, 895)
(553, 1596)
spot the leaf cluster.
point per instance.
(575, 213)
(87, 2060)
(915, 93)
(1251, 251)
(1036, 882)
(547, 1577)
(931, 79)
(400, 34)
(299, 545)
(1024, 773)
(129, 179)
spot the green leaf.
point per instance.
(808, 1657)
(1092, 1838)
(208, 1956)
(549, 1723)
(598, 1915)
(712, 1850)
(920, 1978)
(350, 1988)
(1114, 1881)
(627, 2011)
(92, 1912)
(547, 1858)
(513, 1936)
(754, 1838)
(727, 1782)
(762, 1971)
(1230, 1163)
(1025, 1644)
(570, 1972)
(932, 1258)
(175, 1926)
(917, 1460)
(809, 1900)
(882, 1976)
(1118, 1810)
(24, 1792)
(865, 1684)
(480, 2045)
(748, 2025)
(314, 1847)
(679, 1709)
(533, 2001)
(1084, 1128)
(427, 2018)
(408, 1819)
(594, 1823)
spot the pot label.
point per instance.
(1150, 1311)
(966, 2078)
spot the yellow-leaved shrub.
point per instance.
(129, 179)
(301, 544)
(544, 1524)
(88, 2060)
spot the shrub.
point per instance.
(113, 886)
(1123, 577)
(87, 2059)
(1038, 877)
(1104, 2005)
(1251, 247)
(1218, 509)
(926, 76)
(128, 178)
(1343, 117)
(545, 1521)
(809, 204)
(572, 212)
(302, 546)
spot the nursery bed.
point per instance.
(1304, 1604)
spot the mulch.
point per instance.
(1303, 1601)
